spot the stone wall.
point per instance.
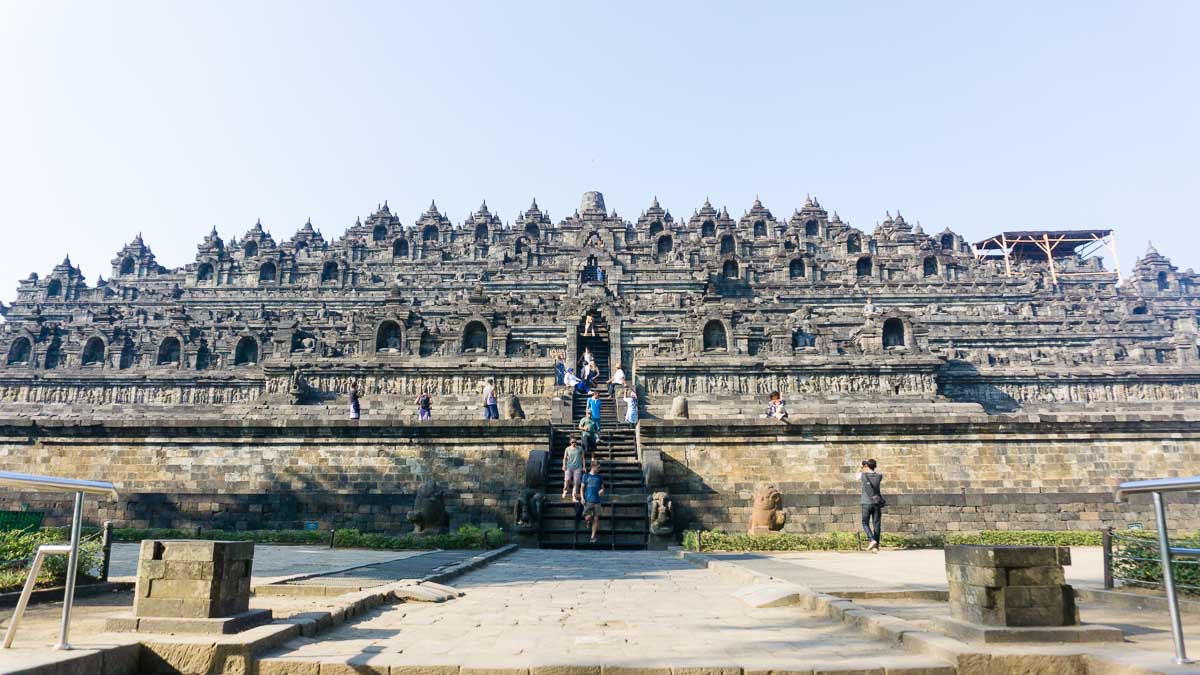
(942, 473)
(250, 474)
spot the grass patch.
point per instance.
(466, 537)
(714, 540)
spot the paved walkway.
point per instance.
(272, 562)
(590, 608)
(922, 569)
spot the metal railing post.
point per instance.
(106, 542)
(1164, 551)
(71, 550)
(72, 573)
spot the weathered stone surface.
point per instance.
(192, 579)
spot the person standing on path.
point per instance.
(560, 369)
(424, 405)
(355, 407)
(631, 412)
(587, 435)
(872, 502)
(593, 405)
(593, 493)
(490, 411)
(573, 472)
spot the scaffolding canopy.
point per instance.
(1046, 246)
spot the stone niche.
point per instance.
(193, 587)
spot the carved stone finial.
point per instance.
(768, 515)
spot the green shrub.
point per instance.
(467, 536)
(850, 541)
(1136, 561)
(20, 545)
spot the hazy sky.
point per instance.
(170, 117)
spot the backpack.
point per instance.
(424, 403)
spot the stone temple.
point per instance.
(1008, 383)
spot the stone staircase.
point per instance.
(623, 520)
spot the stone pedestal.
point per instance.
(1015, 594)
(192, 586)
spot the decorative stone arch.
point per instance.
(1164, 281)
(247, 351)
(894, 333)
(655, 229)
(476, 335)
(389, 335)
(249, 249)
(760, 229)
(664, 245)
(854, 243)
(206, 272)
(330, 272)
(400, 248)
(797, 269)
(379, 232)
(864, 267)
(128, 266)
(431, 234)
(929, 266)
(482, 235)
(708, 229)
(94, 351)
(727, 245)
(54, 288)
(20, 350)
(169, 352)
(54, 356)
(715, 336)
(268, 273)
(948, 241)
(812, 228)
(730, 269)
(533, 231)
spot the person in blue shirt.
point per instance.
(593, 493)
(593, 406)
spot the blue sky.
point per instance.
(171, 117)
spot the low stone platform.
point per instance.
(973, 632)
(174, 625)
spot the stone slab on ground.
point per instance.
(973, 632)
(274, 562)
(612, 609)
(169, 625)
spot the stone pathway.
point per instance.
(273, 562)
(540, 607)
(923, 569)
(411, 567)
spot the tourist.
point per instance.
(593, 491)
(354, 404)
(631, 400)
(573, 471)
(588, 435)
(589, 326)
(572, 381)
(490, 412)
(781, 410)
(592, 375)
(588, 358)
(424, 405)
(776, 399)
(617, 380)
(588, 373)
(593, 405)
(872, 501)
(560, 368)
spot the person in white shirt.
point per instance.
(617, 380)
(631, 400)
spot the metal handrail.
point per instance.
(1156, 487)
(54, 484)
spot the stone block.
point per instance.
(1007, 556)
(975, 576)
(193, 579)
(1036, 576)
